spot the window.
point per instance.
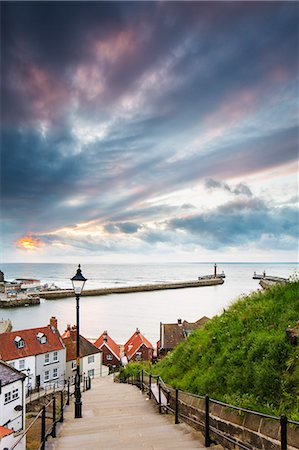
(90, 359)
(47, 358)
(55, 356)
(74, 365)
(7, 397)
(12, 364)
(19, 342)
(109, 357)
(138, 356)
(91, 373)
(21, 364)
(15, 394)
(55, 373)
(47, 375)
(41, 337)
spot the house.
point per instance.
(110, 349)
(171, 334)
(12, 407)
(37, 352)
(138, 348)
(90, 355)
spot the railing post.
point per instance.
(142, 387)
(68, 392)
(43, 428)
(176, 406)
(89, 382)
(207, 423)
(53, 434)
(150, 387)
(61, 406)
(283, 432)
(160, 402)
(168, 401)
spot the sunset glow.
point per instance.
(28, 243)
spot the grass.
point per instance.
(243, 356)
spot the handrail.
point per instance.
(205, 422)
(29, 426)
(239, 408)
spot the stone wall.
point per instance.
(255, 432)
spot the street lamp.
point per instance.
(78, 282)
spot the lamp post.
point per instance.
(78, 282)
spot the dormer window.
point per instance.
(41, 337)
(19, 342)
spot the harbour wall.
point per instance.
(63, 293)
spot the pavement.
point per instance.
(118, 416)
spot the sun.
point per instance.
(28, 243)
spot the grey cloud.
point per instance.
(237, 223)
(125, 227)
(239, 189)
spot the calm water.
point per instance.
(120, 314)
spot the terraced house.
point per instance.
(37, 352)
(90, 356)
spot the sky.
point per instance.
(149, 131)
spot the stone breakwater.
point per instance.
(63, 293)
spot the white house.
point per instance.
(12, 407)
(90, 355)
(37, 352)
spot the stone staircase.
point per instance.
(118, 416)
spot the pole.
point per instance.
(68, 392)
(78, 402)
(283, 432)
(160, 401)
(176, 407)
(43, 429)
(142, 386)
(150, 387)
(61, 405)
(207, 423)
(54, 417)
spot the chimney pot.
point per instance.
(180, 321)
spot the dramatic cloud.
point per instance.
(127, 126)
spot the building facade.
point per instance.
(12, 407)
(37, 352)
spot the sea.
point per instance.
(121, 314)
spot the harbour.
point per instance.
(122, 313)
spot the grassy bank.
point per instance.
(243, 356)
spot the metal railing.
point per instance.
(173, 404)
(51, 412)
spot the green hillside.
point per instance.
(243, 356)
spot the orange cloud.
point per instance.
(28, 243)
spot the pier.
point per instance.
(63, 293)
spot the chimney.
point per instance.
(179, 321)
(73, 333)
(53, 322)
(137, 331)
(105, 336)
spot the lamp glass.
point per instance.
(78, 286)
(78, 281)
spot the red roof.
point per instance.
(32, 346)
(109, 343)
(135, 342)
(5, 432)
(70, 341)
